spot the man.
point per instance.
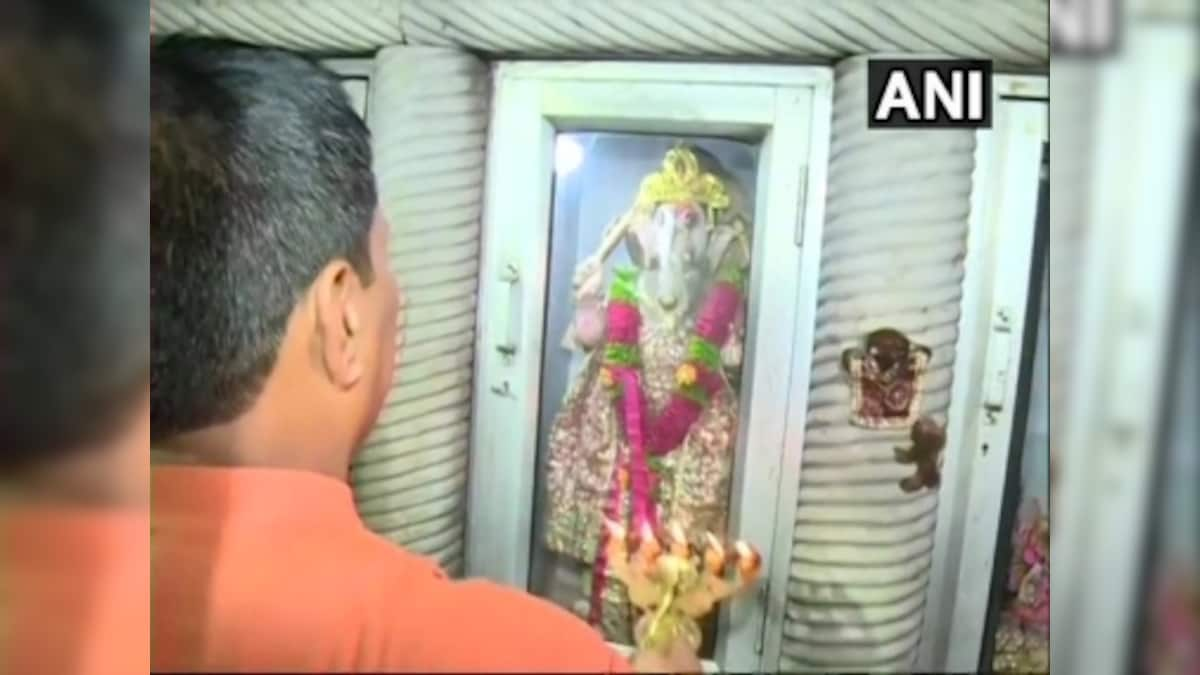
(273, 323)
(74, 346)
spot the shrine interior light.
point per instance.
(568, 154)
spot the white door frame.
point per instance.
(1004, 204)
(788, 109)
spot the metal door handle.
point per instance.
(511, 316)
(999, 362)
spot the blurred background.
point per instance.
(1123, 305)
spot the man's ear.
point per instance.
(338, 296)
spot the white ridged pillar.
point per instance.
(892, 256)
(429, 114)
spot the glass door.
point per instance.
(644, 233)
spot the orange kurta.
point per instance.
(74, 592)
(269, 569)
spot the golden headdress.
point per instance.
(681, 180)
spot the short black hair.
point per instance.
(74, 197)
(260, 177)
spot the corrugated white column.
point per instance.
(892, 256)
(429, 114)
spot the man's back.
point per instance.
(274, 319)
(263, 569)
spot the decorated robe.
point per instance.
(589, 463)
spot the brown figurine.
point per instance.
(928, 440)
(886, 378)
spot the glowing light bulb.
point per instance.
(568, 155)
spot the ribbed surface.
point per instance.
(892, 255)
(311, 25)
(429, 112)
(1009, 31)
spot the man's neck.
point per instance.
(241, 444)
(103, 477)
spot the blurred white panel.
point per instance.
(1114, 414)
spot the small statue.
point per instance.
(886, 380)
(675, 588)
(928, 440)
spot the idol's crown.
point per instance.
(681, 180)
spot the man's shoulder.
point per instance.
(391, 559)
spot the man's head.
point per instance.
(74, 346)
(271, 301)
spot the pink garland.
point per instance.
(716, 315)
(624, 323)
(1033, 554)
(639, 478)
(612, 511)
(673, 424)
(667, 431)
(639, 472)
(713, 323)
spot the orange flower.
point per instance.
(686, 375)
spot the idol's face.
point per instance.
(669, 247)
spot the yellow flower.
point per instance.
(606, 378)
(686, 375)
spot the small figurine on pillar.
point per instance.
(886, 377)
(925, 453)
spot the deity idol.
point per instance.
(646, 434)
